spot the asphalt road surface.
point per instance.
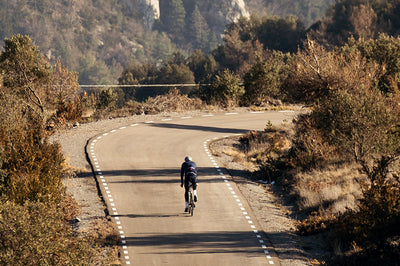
(138, 170)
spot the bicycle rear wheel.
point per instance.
(191, 204)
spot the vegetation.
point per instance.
(99, 39)
(339, 160)
(34, 207)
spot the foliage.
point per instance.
(236, 54)
(138, 74)
(172, 18)
(34, 206)
(308, 11)
(33, 166)
(24, 71)
(345, 102)
(198, 31)
(282, 34)
(134, 75)
(34, 233)
(351, 119)
(172, 73)
(108, 99)
(202, 66)
(358, 18)
(384, 51)
(225, 90)
(173, 101)
(265, 78)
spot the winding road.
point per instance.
(138, 170)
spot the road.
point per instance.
(138, 170)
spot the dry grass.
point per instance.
(333, 189)
(239, 157)
(103, 233)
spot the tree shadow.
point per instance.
(201, 128)
(206, 175)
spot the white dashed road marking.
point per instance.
(247, 217)
(114, 209)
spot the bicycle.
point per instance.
(191, 204)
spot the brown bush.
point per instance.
(173, 101)
(35, 234)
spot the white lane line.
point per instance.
(108, 192)
(248, 218)
(231, 113)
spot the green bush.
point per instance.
(225, 90)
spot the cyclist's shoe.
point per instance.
(186, 209)
(195, 198)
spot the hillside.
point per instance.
(100, 38)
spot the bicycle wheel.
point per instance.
(191, 204)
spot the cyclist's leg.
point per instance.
(186, 194)
(194, 184)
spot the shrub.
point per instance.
(174, 101)
(264, 80)
(35, 234)
(225, 90)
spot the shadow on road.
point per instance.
(206, 175)
(201, 128)
(207, 242)
(213, 242)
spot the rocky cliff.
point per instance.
(217, 13)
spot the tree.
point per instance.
(198, 31)
(203, 67)
(175, 74)
(24, 70)
(264, 80)
(282, 34)
(138, 74)
(351, 117)
(384, 51)
(363, 20)
(173, 19)
(225, 90)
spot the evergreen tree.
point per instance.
(173, 19)
(198, 30)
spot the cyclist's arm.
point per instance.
(182, 173)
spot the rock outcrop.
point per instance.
(217, 13)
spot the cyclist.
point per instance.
(189, 171)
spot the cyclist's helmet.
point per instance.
(188, 158)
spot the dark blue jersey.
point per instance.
(189, 167)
